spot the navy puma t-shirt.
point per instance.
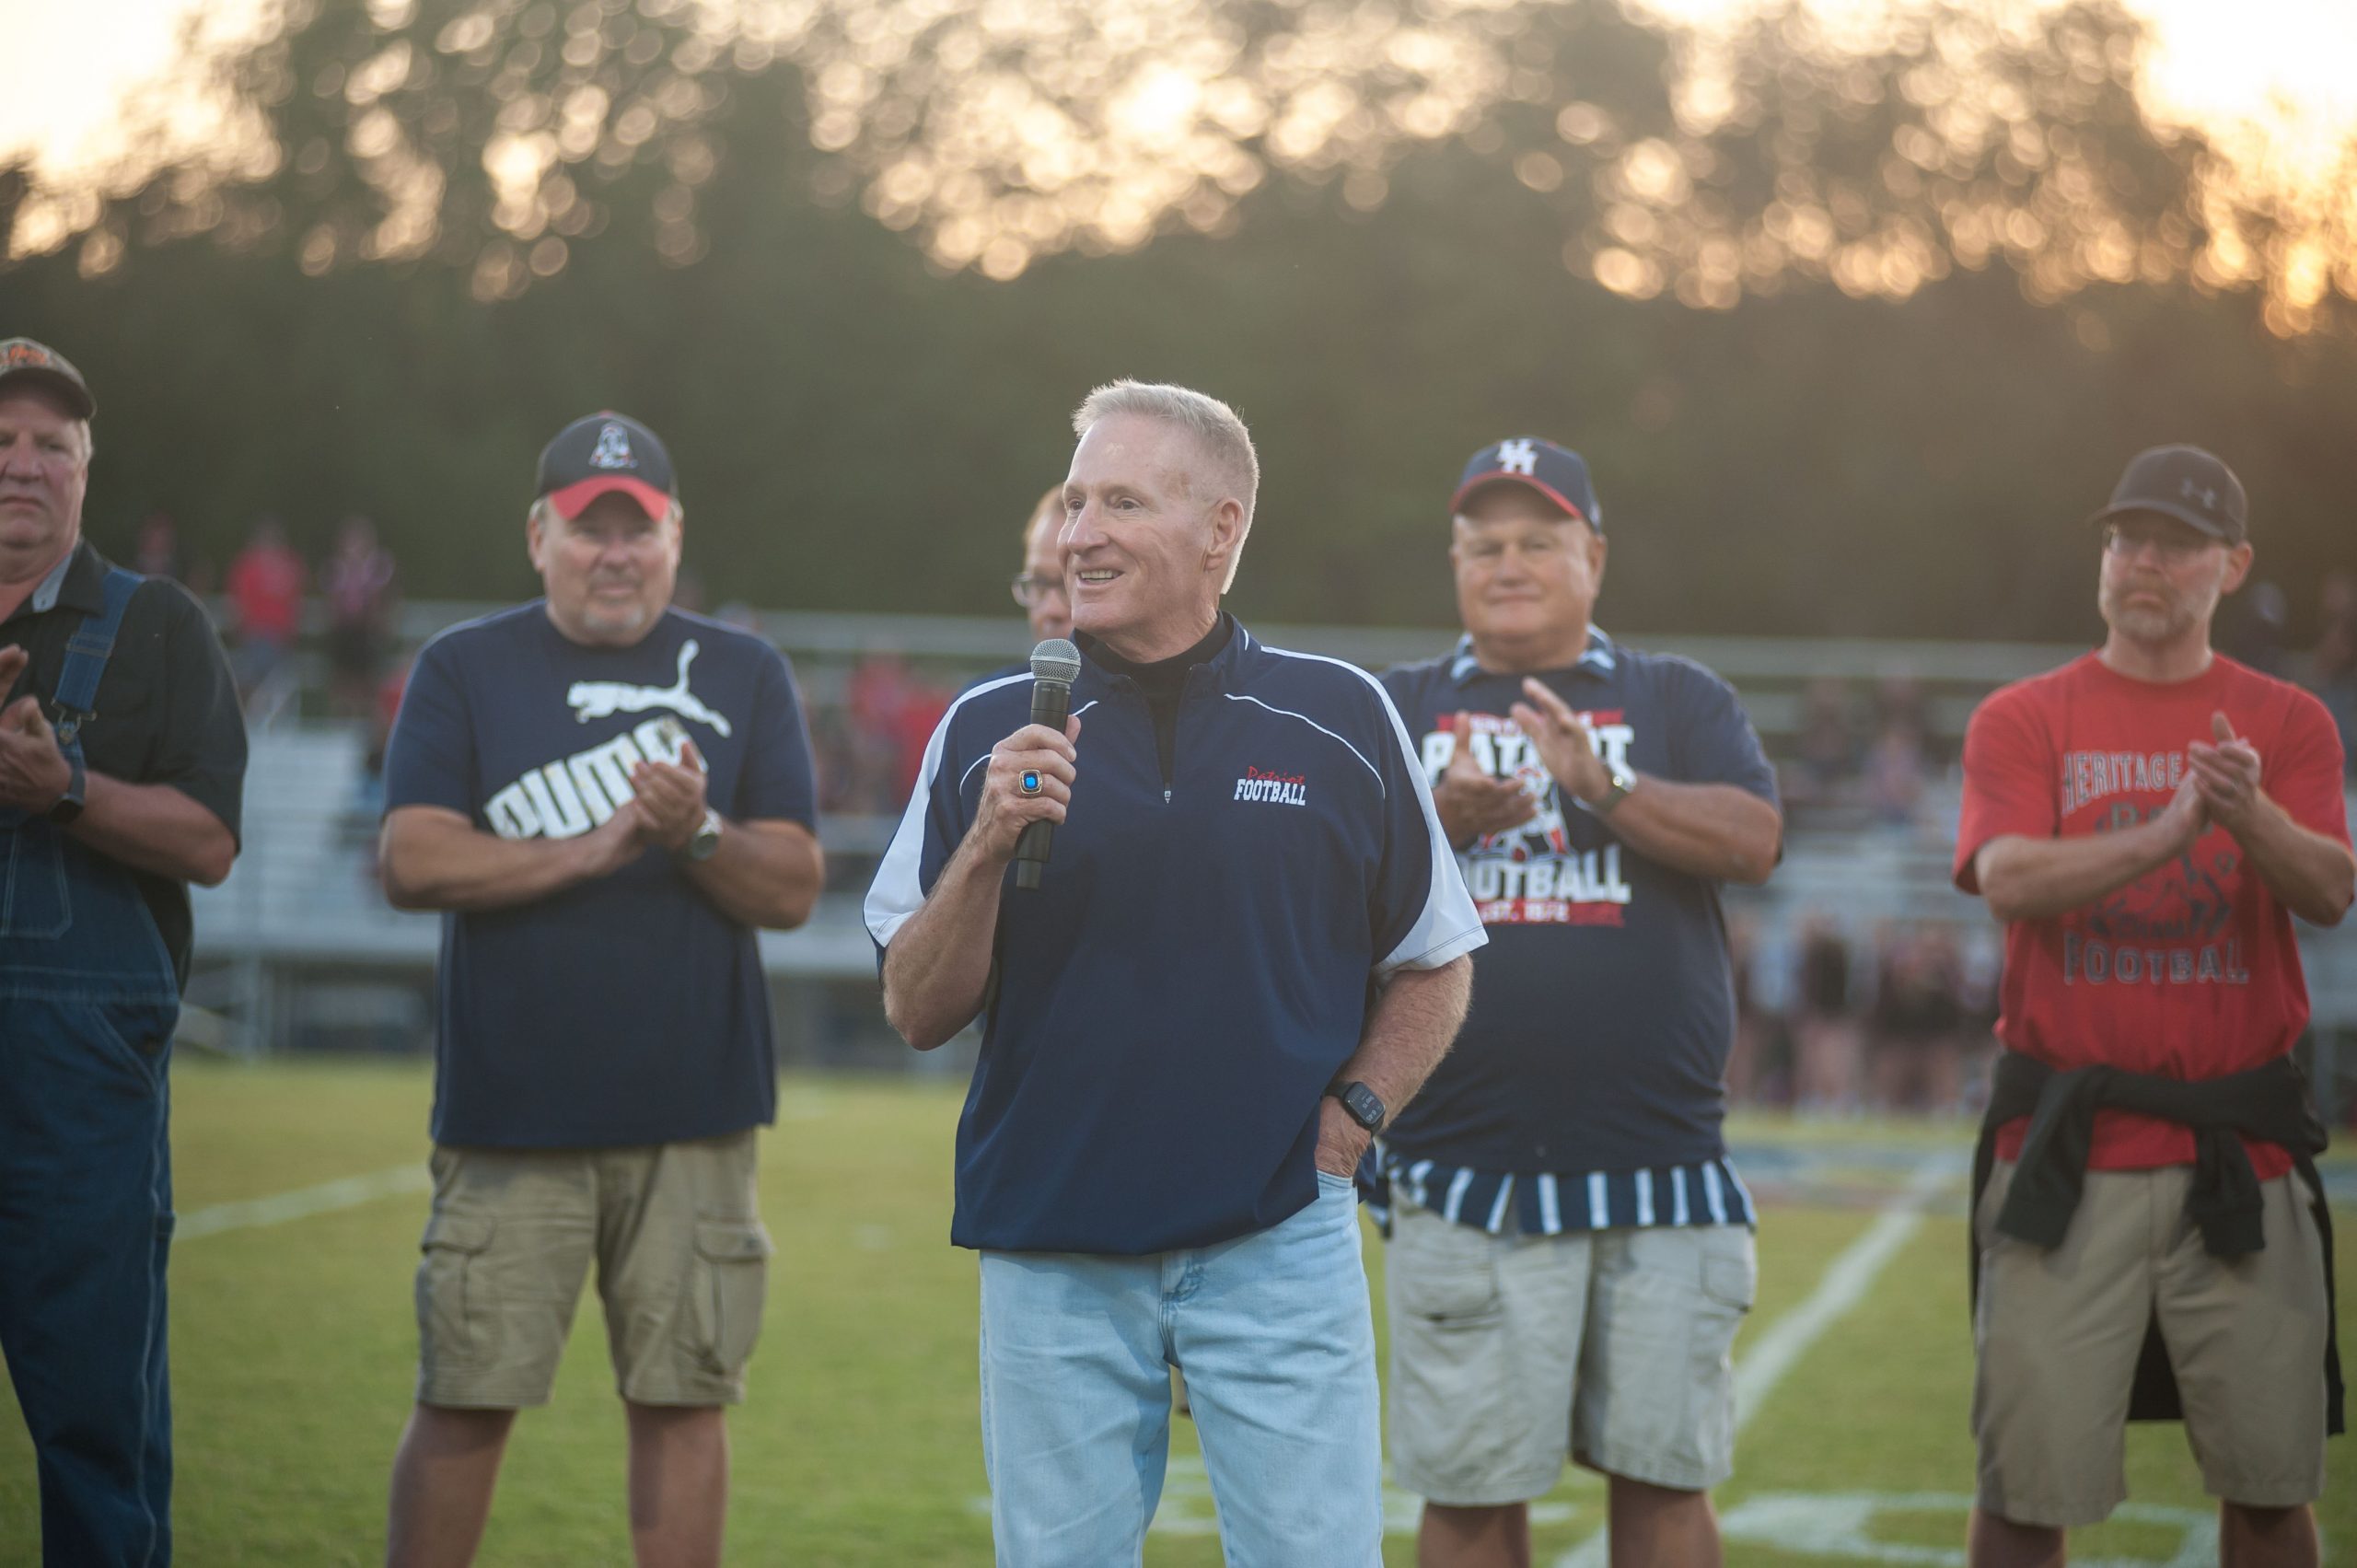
(623, 1010)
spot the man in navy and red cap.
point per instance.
(1571, 1250)
(607, 798)
(122, 760)
(2150, 1240)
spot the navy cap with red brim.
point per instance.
(604, 454)
(1557, 472)
(571, 500)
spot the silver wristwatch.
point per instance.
(705, 842)
(1623, 781)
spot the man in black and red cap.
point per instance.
(2150, 1240)
(606, 798)
(123, 763)
(1571, 1250)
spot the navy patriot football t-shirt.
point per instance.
(628, 1009)
(1587, 1090)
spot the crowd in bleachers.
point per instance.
(1839, 1015)
(1859, 755)
(1896, 1021)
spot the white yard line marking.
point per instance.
(1847, 1280)
(1781, 1346)
(349, 1192)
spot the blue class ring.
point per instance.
(1030, 785)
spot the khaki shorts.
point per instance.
(2056, 1334)
(682, 1268)
(1510, 1353)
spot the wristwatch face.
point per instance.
(706, 842)
(69, 805)
(1363, 1104)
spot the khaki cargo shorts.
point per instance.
(2056, 1336)
(682, 1269)
(1612, 1347)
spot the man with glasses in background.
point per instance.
(2150, 1240)
(1039, 586)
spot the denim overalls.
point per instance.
(88, 997)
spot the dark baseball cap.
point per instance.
(603, 453)
(1556, 472)
(2186, 483)
(23, 359)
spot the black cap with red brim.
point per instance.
(602, 454)
(24, 361)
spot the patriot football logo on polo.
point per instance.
(1273, 786)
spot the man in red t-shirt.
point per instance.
(2146, 821)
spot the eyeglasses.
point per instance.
(2174, 544)
(1027, 588)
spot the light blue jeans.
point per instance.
(1275, 1336)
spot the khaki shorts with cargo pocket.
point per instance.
(682, 1269)
(1511, 1354)
(2057, 1333)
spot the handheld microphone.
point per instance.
(1055, 665)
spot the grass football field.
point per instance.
(301, 1195)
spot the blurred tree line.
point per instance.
(1853, 338)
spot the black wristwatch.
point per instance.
(69, 805)
(1366, 1107)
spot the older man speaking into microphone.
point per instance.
(1245, 952)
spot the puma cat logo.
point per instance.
(598, 699)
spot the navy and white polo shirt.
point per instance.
(1587, 1087)
(628, 1009)
(1202, 954)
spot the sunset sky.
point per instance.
(2281, 72)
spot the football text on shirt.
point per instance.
(1531, 875)
(1272, 784)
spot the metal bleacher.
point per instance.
(299, 948)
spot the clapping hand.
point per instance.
(2225, 773)
(33, 771)
(1565, 743)
(670, 798)
(1473, 805)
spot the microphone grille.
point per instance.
(1055, 659)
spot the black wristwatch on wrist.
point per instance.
(69, 805)
(1365, 1106)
